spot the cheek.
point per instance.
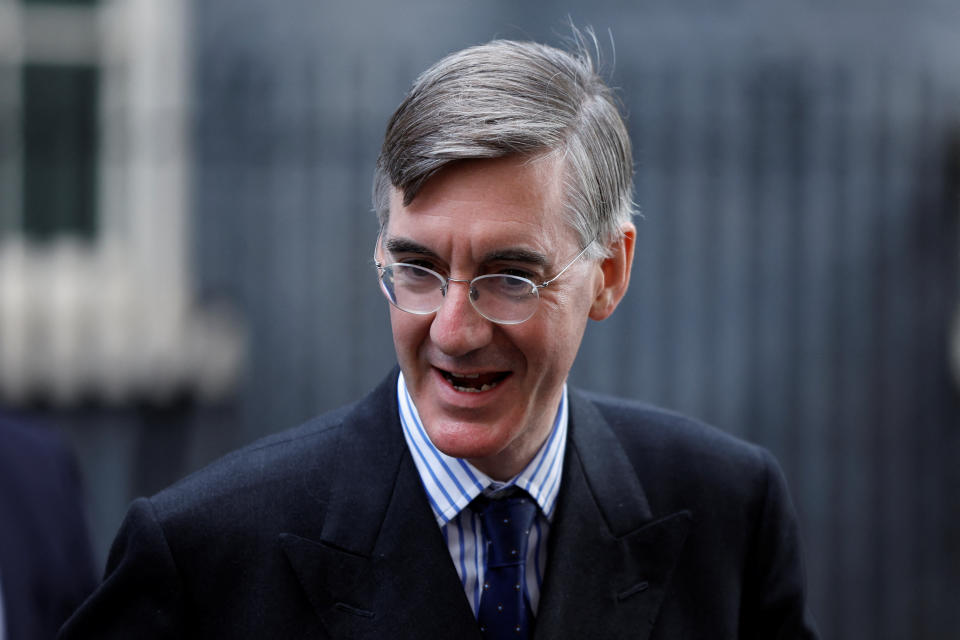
(565, 315)
(560, 330)
(552, 343)
(409, 331)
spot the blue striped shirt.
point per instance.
(452, 483)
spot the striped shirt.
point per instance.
(452, 483)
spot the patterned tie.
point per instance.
(504, 609)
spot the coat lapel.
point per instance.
(379, 567)
(610, 559)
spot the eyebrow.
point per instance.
(405, 245)
(509, 254)
(517, 255)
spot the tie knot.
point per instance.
(506, 525)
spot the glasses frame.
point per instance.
(445, 282)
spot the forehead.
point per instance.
(516, 200)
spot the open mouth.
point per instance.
(474, 382)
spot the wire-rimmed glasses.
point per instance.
(498, 297)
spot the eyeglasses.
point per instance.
(498, 297)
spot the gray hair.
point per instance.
(508, 97)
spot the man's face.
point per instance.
(490, 392)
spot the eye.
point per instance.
(510, 286)
(414, 278)
(413, 270)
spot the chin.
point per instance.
(466, 440)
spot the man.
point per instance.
(472, 494)
(46, 564)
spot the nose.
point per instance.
(457, 328)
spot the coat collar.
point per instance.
(378, 565)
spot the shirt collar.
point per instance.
(452, 483)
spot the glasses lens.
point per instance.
(505, 299)
(412, 288)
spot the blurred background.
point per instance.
(185, 241)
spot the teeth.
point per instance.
(485, 387)
(468, 376)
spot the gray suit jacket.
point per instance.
(665, 528)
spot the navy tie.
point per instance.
(504, 608)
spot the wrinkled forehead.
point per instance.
(503, 201)
(541, 171)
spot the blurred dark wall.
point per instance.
(797, 261)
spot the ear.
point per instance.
(615, 274)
